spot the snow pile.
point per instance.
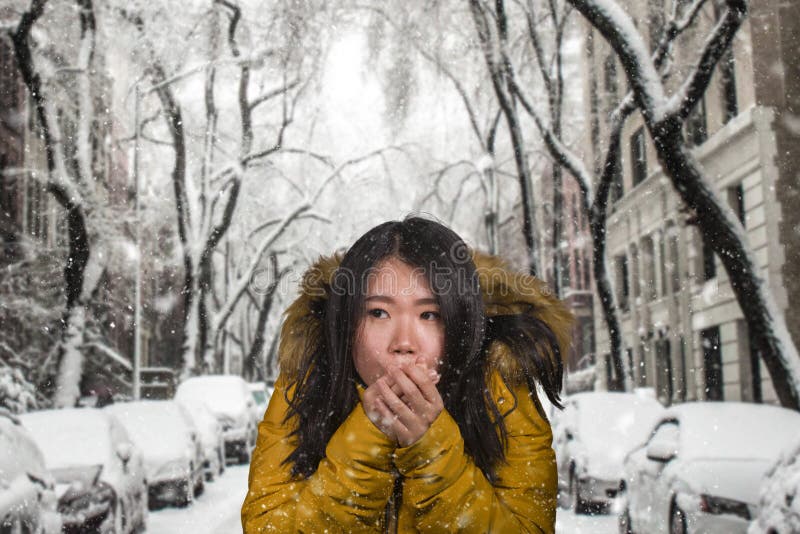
(779, 506)
(17, 395)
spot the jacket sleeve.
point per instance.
(448, 492)
(349, 490)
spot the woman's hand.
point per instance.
(376, 409)
(409, 393)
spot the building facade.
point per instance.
(683, 331)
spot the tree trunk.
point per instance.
(724, 234)
(78, 289)
(508, 105)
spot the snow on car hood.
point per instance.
(737, 479)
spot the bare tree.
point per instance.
(419, 30)
(595, 186)
(664, 116)
(71, 179)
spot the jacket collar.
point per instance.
(504, 291)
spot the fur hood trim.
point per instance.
(504, 291)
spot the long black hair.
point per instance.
(326, 391)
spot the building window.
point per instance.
(696, 127)
(638, 156)
(621, 279)
(617, 187)
(674, 259)
(575, 217)
(611, 83)
(712, 363)
(709, 265)
(736, 201)
(566, 278)
(587, 270)
(730, 106)
(648, 269)
(755, 372)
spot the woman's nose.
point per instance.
(404, 339)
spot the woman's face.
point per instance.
(401, 322)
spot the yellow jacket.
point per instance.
(442, 489)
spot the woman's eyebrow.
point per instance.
(391, 300)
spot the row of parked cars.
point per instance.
(697, 467)
(102, 469)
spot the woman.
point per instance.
(407, 394)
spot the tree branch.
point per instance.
(694, 87)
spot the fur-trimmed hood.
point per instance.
(504, 291)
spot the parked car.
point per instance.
(27, 490)
(173, 454)
(230, 400)
(261, 392)
(99, 474)
(209, 431)
(701, 469)
(779, 503)
(591, 438)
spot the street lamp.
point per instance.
(137, 313)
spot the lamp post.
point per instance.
(137, 313)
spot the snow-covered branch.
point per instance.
(241, 285)
(269, 95)
(621, 33)
(680, 105)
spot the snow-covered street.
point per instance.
(216, 511)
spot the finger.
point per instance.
(392, 383)
(387, 419)
(411, 393)
(424, 381)
(397, 406)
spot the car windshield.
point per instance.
(259, 396)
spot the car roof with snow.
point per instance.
(733, 430)
(222, 394)
(603, 416)
(70, 437)
(152, 419)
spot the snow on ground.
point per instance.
(216, 511)
(569, 523)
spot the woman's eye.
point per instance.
(430, 315)
(377, 313)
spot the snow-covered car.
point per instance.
(779, 504)
(261, 392)
(209, 431)
(592, 436)
(27, 490)
(173, 454)
(230, 400)
(701, 469)
(99, 474)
